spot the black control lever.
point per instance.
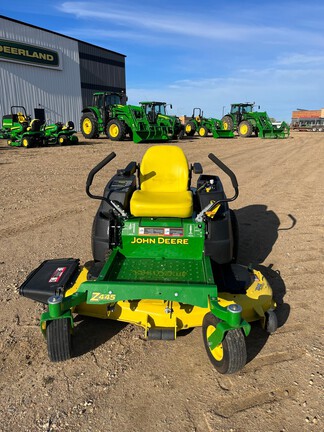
(211, 206)
(94, 171)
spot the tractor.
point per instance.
(94, 118)
(204, 126)
(117, 121)
(247, 122)
(23, 131)
(164, 259)
(156, 113)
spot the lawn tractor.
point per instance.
(109, 116)
(247, 122)
(204, 126)
(163, 259)
(60, 133)
(156, 112)
(23, 131)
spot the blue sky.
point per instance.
(205, 54)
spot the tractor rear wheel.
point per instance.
(228, 123)
(59, 339)
(190, 128)
(89, 126)
(230, 355)
(203, 131)
(245, 129)
(116, 130)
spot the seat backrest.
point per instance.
(164, 169)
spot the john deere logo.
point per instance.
(24, 53)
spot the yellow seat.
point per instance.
(164, 183)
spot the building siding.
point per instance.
(100, 70)
(57, 91)
(85, 69)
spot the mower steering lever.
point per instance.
(226, 170)
(94, 171)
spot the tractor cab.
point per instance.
(153, 109)
(238, 110)
(156, 113)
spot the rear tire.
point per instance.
(230, 355)
(63, 140)
(245, 129)
(59, 340)
(89, 126)
(228, 123)
(190, 128)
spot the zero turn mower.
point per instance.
(163, 259)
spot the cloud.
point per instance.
(193, 25)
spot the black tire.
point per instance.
(59, 340)
(271, 323)
(235, 230)
(203, 131)
(26, 142)
(190, 128)
(89, 126)
(63, 140)
(245, 129)
(116, 130)
(228, 123)
(181, 134)
(230, 355)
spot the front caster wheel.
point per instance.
(230, 355)
(59, 341)
(271, 322)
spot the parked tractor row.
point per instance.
(21, 130)
(147, 122)
(150, 122)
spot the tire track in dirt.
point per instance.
(38, 222)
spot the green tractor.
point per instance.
(164, 259)
(204, 126)
(22, 130)
(60, 133)
(156, 112)
(247, 122)
(117, 121)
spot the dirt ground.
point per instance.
(116, 380)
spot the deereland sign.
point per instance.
(24, 53)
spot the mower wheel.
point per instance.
(230, 355)
(245, 129)
(228, 123)
(59, 340)
(116, 130)
(63, 140)
(190, 128)
(271, 322)
(202, 131)
(26, 142)
(89, 126)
